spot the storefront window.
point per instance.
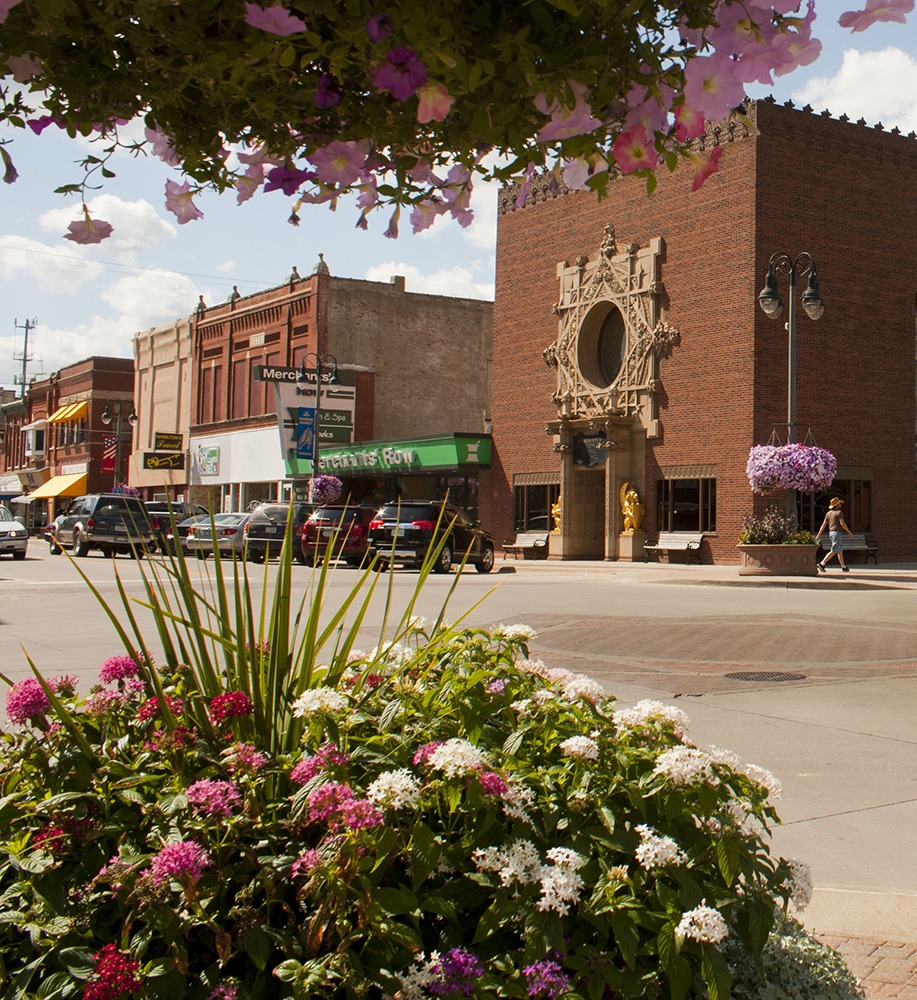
(686, 505)
(857, 494)
(532, 506)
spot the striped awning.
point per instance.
(72, 411)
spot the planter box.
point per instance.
(778, 560)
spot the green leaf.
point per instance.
(728, 852)
(79, 962)
(567, 6)
(395, 901)
(257, 945)
(627, 937)
(715, 972)
(288, 971)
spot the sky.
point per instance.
(91, 300)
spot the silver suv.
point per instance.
(109, 522)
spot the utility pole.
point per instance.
(25, 357)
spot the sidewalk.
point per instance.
(886, 967)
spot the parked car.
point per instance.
(344, 527)
(405, 531)
(161, 515)
(225, 532)
(14, 536)
(110, 522)
(267, 527)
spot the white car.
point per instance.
(14, 537)
(230, 535)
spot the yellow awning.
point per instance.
(61, 486)
(69, 412)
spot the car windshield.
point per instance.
(407, 512)
(5, 515)
(274, 512)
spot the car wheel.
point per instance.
(53, 547)
(135, 552)
(256, 557)
(202, 555)
(444, 560)
(80, 545)
(380, 565)
(486, 563)
(301, 557)
(19, 554)
(108, 553)
(354, 561)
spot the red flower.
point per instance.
(226, 706)
(115, 975)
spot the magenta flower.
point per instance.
(456, 971)
(402, 73)
(38, 125)
(118, 668)
(287, 179)
(689, 123)
(114, 976)
(566, 122)
(634, 150)
(802, 467)
(276, 20)
(26, 700)
(328, 93)
(392, 232)
(100, 703)
(422, 755)
(305, 863)
(379, 27)
(493, 784)
(162, 146)
(5, 7)
(875, 10)
(179, 203)
(425, 213)
(433, 103)
(182, 860)
(705, 165)
(226, 706)
(214, 798)
(545, 980)
(326, 801)
(65, 685)
(244, 758)
(309, 767)
(152, 708)
(87, 230)
(712, 87)
(52, 839)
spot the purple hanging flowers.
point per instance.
(803, 467)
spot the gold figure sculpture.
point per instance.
(631, 508)
(556, 514)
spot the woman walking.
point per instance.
(834, 523)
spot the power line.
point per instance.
(83, 262)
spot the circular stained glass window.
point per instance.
(601, 345)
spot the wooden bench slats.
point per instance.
(676, 541)
(859, 542)
(525, 542)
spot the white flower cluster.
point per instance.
(393, 653)
(519, 864)
(530, 666)
(686, 766)
(455, 757)
(395, 789)
(799, 883)
(318, 701)
(657, 851)
(646, 713)
(419, 976)
(704, 924)
(580, 747)
(761, 776)
(720, 756)
(746, 821)
(416, 623)
(521, 707)
(517, 800)
(521, 633)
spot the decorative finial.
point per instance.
(321, 267)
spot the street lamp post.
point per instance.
(770, 301)
(118, 406)
(326, 367)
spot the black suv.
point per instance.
(161, 513)
(110, 522)
(266, 528)
(404, 532)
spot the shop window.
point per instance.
(857, 494)
(686, 505)
(532, 506)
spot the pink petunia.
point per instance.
(162, 146)
(433, 103)
(425, 213)
(287, 179)
(711, 86)
(566, 122)
(5, 7)
(340, 162)
(705, 164)
(379, 27)
(10, 173)
(876, 10)
(179, 203)
(87, 230)
(634, 150)
(328, 93)
(402, 73)
(689, 123)
(275, 20)
(23, 68)
(38, 125)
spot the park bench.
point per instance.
(860, 542)
(676, 541)
(532, 544)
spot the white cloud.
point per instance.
(139, 301)
(55, 269)
(137, 227)
(456, 281)
(876, 86)
(227, 267)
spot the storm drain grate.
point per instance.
(765, 675)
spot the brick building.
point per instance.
(629, 346)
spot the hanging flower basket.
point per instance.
(803, 467)
(325, 489)
(125, 490)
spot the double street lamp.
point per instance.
(115, 409)
(769, 300)
(325, 367)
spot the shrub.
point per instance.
(773, 528)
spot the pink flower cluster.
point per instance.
(337, 806)
(115, 975)
(229, 705)
(26, 700)
(152, 708)
(242, 758)
(802, 467)
(182, 860)
(423, 755)
(309, 767)
(118, 668)
(214, 798)
(305, 863)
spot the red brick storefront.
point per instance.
(704, 374)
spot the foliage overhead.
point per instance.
(402, 105)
